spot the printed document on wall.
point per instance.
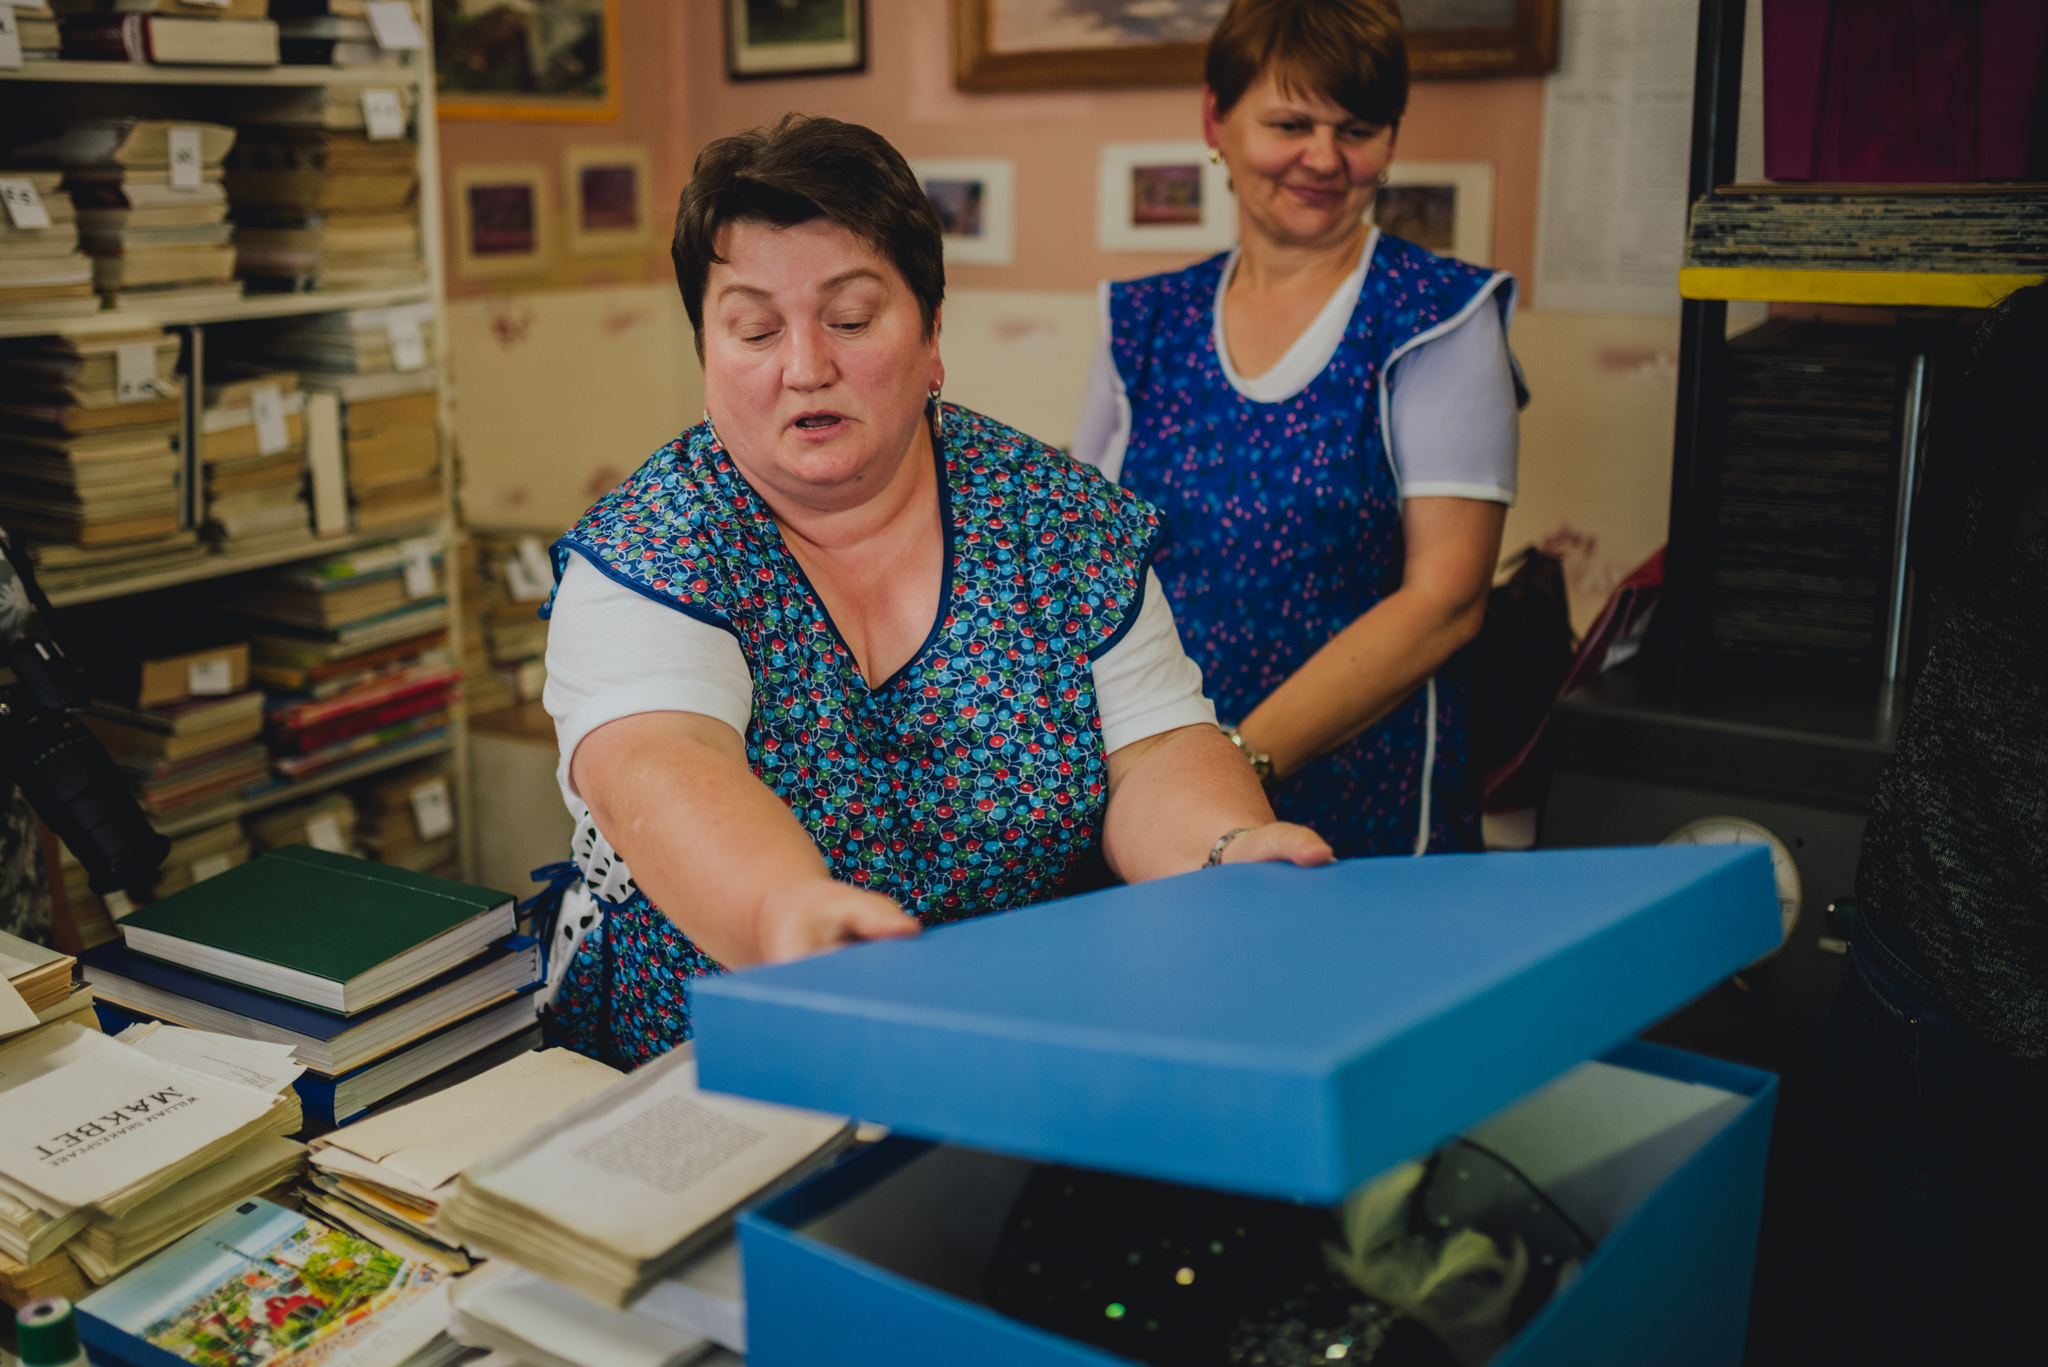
(1617, 122)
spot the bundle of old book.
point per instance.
(1990, 228)
(334, 108)
(36, 23)
(320, 209)
(151, 211)
(173, 32)
(377, 978)
(406, 817)
(252, 458)
(621, 1190)
(38, 988)
(331, 33)
(261, 1283)
(184, 727)
(87, 427)
(93, 1129)
(385, 1176)
(43, 274)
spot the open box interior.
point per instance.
(1599, 1140)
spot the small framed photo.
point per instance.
(794, 38)
(1446, 206)
(977, 205)
(501, 216)
(1163, 197)
(608, 209)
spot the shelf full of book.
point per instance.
(292, 300)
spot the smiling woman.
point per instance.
(842, 660)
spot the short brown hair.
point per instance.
(806, 168)
(1353, 51)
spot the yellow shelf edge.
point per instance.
(1925, 288)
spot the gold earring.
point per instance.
(1214, 156)
(1384, 177)
(932, 394)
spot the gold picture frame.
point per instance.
(485, 58)
(1524, 44)
(502, 219)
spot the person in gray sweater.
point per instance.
(1937, 1041)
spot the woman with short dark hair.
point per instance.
(1327, 417)
(843, 660)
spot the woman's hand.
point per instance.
(820, 914)
(1279, 842)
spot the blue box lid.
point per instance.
(1257, 1028)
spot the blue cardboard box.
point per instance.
(1275, 1031)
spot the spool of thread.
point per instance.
(46, 1334)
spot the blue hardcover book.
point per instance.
(328, 1044)
(262, 1284)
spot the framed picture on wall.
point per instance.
(550, 60)
(501, 219)
(1057, 44)
(1446, 206)
(1162, 197)
(607, 199)
(977, 206)
(766, 38)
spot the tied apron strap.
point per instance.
(547, 904)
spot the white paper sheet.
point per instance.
(265, 1067)
(14, 1012)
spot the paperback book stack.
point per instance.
(36, 22)
(320, 209)
(39, 988)
(184, 755)
(333, 108)
(300, 666)
(1989, 228)
(513, 581)
(186, 1109)
(172, 32)
(87, 441)
(483, 688)
(151, 210)
(43, 274)
(343, 607)
(331, 33)
(407, 818)
(380, 980)
(327, 822)
(252, 460)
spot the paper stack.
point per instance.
(406, 818)
(151, 211)
(621, 1190)
(252, 455)
(43, 274)
(386, 1176)
(87, 427)
(40, 36)
(55, 1275)
(37, 989)
(65, 1164)
(321, 209)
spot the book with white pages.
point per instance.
(624, 1188)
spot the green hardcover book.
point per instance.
(331, 931)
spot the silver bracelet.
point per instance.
(1222, 843)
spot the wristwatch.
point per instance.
(1261, 762)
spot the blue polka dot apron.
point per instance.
(1286, 527)
(971, 781)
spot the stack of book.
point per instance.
(191, 1108)
(172, 32)
(1989, 228)
(483, 688)
(252, 459)
(43, 274)
(330, 33)
(326, 822)
(334, 108)
(508, 641)
(37, 24)
(356, 603)
(199, 855)
(385, 1176)
(45, 989)
(157, 232)
(88, 428)
(318, 209)
(90, 919)
(407, 817)
(381, 980)
(183, 755)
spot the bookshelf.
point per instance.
(80, 89)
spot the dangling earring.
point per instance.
(932, 394)
(1214, 156)
(1383, 178)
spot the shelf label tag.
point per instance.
(214, 678)
(203, 869)
(430, 810)
(383, 116)
(408, 347)
(186, 160)
(419, 567)
(24, 206)
(10, 37)
(118, 905)
(135, 371)
(527, 574)
(266, 405)
(392, 22)
(324, 833)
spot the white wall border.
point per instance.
(1114, 231)
(997, 245)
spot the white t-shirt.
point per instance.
(1451, 399)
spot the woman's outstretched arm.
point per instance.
(1172, 795)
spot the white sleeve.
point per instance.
(1452, 413)
(613, 653)
(1105, 423)
(1145, 683)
